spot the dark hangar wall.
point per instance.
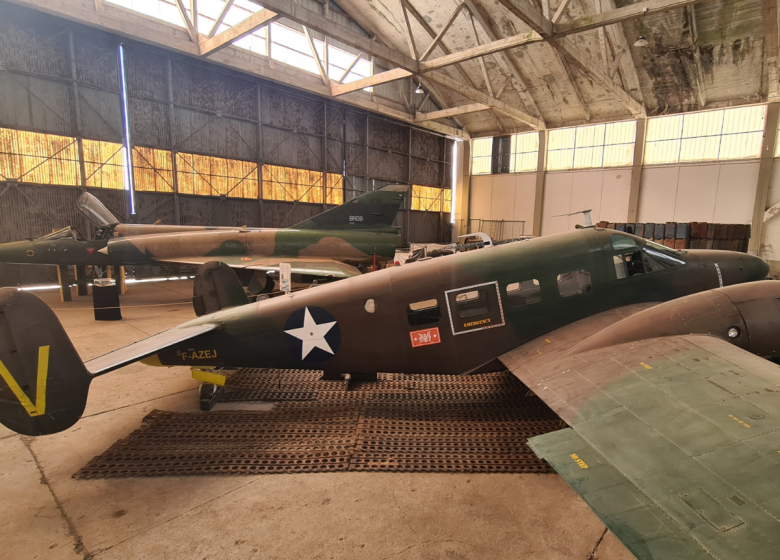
(57, 77)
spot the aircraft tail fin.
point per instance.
(373, 210)
(216, 287)
(43, 382)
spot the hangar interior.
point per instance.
(508, 117)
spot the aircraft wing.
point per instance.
(310, 266)
(674, 442)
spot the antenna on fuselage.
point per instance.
(586, 213)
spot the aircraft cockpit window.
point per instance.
(523, 293)
(658, 257)
(620, 266)
(475, 302)
(423, 312)
(622, 241)
(574, 283)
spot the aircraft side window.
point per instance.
(523, 293)
(423, 312)
(634, 264)
(629, 264)
(574, 283)
(620, 241)
(475, 302)
(660, 260)
(620, 266)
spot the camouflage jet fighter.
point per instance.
(650, 354)
(326, 247)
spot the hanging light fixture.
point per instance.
(641, 41)
(419, 89)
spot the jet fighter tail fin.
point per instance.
(43, 382)
(372, 210)
(216, 287)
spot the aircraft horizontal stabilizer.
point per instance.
(146, 347)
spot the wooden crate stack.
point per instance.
(690, 235)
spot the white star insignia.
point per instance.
(312, 335)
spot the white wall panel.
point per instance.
(658, 194)
(614, 195)
(697, 188)
(503, 202)
(525, 195)
(504, 197)
(557, 200)
(586, 190)
(736, 193)
(771, 245)
(481, 196)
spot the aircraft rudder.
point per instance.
(43, 382)
(372, 210)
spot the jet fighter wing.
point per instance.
(310, 266)
(674, 441)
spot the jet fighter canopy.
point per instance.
(95, 211)
(64, 233)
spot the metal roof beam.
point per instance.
(574, 54)
(441, 34)
(447, 113)
(241, 29)
(618, 15)
(503, 59)
(342, 33)
(492, 102)
(770, 60)
(530, 15)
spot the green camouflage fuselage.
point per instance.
(358, 247)
(468, 313)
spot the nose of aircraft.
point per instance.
(17, 252)
(734, 268)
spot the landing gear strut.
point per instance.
(210, 395)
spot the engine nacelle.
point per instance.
(747, 315)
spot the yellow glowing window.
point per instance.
(585, 147)
(300, 185)
(334, 193)
(31, 157)
(431, 199)
(153, 170)
(213, 176)
(524, 152)
(709, 136)
(103, 164)
(480, 160)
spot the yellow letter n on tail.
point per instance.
(40, 398)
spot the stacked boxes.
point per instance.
(690, 235)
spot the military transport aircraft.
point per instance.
(327, 246)
(654, 357)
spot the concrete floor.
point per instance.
(44, 513)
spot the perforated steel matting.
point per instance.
(400, 423)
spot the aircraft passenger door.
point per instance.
(474, 308)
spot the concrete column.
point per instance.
(462, 198)
(63, 277)
(541, 174)
(636, 170)
(764, 176)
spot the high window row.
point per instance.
(724, 134)
(285, 44)
(48, 159)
